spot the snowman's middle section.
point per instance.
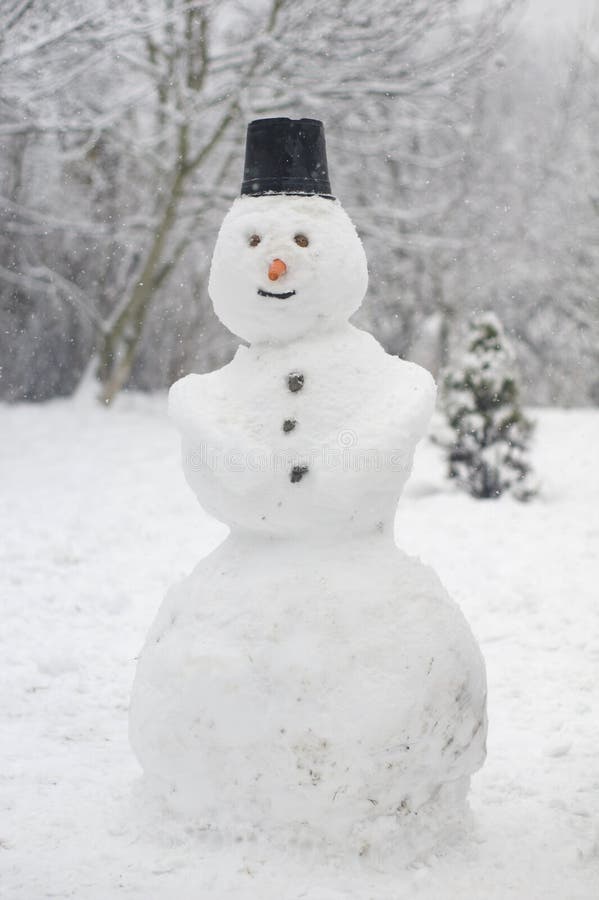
(311, 435)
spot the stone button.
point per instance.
(295, 381)
(297, 473)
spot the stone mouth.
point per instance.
(284, 296)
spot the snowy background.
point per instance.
(97, 522)
(461, 138)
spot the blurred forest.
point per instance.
(462, 144)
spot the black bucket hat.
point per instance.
(285, 156)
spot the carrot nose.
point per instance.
(276, 269)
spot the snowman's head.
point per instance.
(285, 266)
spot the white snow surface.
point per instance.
(97, 522)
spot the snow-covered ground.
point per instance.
(97, 522)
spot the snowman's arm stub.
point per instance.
(405, 406)
(190, 406)
(212, 439)
(399, 395)
(197, 403)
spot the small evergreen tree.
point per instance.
(487, 434)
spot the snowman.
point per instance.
(308, 676)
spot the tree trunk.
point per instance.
(117, 354)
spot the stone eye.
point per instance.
(301, 240)
(254, 240)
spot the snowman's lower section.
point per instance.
(335, 689)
